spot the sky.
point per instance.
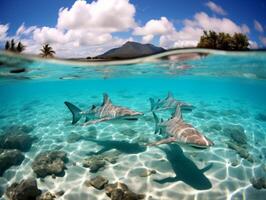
(81, 28)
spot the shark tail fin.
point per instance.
(76, 112)
(157, 123)
(152, 103)
(177, 113)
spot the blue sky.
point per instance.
(168, 23)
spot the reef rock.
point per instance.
(16, 137)
(18, 129)
(120, 191)
(9, 158)
(242, 152)
(60, 193)
(25, 190)
(98, 182)
(147, 172)
(236, 133)
(1, 191)
(46, 196)
(94, 163)
(261, 117)
(259, 183)
(50, 163)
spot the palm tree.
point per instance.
(7, 45)
(47, 51)
(14, 47)
(20, 47)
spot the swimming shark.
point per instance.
(104, 112)
(168, 103)
(179, 131)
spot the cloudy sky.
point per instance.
(87, 28)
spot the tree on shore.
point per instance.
(13, 47)
(47, 51)
(223, 41)
(20, 47)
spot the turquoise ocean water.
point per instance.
(227, 90)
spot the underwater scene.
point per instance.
(190, 125)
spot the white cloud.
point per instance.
(98, 16)
(190, 34)
(147, 39)
(253, 44)
(22, 30)
(85, 27)
(49, 35)
(202, 20)
(155, 27)
(258, 26)
(3, 31)
(186, 37)
(215, 8)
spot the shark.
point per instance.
(179, 131)
(168, 103)
(105, 112)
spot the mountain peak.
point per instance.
(131, 50)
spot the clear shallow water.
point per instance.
(225, 89)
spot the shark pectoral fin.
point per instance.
(97, 121)
(164, 141)
(166, 180)
(209, 166)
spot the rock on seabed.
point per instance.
(50, 163)
(25, 190)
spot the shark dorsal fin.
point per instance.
(177, 113)
(106, 99)
(170, 95)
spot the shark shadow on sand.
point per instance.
(121, 146)
(185, 169)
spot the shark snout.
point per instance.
(206, 142)
(203, 142)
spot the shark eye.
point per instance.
(93, 106)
